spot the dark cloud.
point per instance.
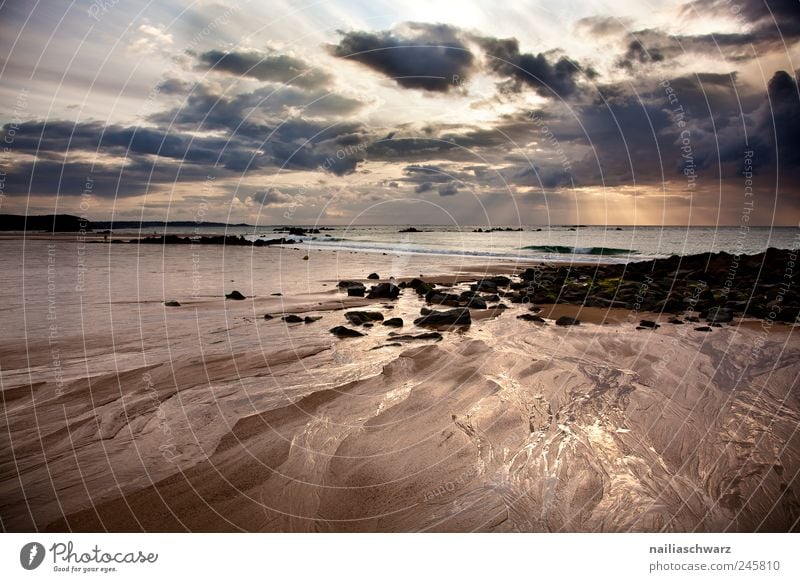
(548, 76)
(206, 109)
(779, 122)
(768, 25)
(419, 56)
(269, 66)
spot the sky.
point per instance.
(402, 112)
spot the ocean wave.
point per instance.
(565, 250)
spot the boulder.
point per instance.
(458, 316)
(647, 324)
(171, 303)
(235, 295)
(311, 318)
(292, 318)
(384, 291)
(566, 321)
(342, 331)
(362, 317)
(347, 284)
(476, 303)
(703, 328)
(356, 291)
(373, 276)
(394, 322)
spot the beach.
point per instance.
(122, 413)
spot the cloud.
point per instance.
(265, 66)
(416, 56)
(602, 26)
(272, 197)
(448, 189)
(548, 77)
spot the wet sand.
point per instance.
(207, 417)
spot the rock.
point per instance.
(424, 288)
(500, 306)
(362, 317)
(459, 316)
(276, 294)
(565, 321)
(647, 324)
(394, 322)
(409, 229)
(292, 318)
(384, 291)
(420, 336)
(414, 283)
(531, 317)
(171, 303)
(305, 258)
(342, 331)
(675, 321)
(719, 315)
(373, 276)
(267, 316)
(311, 319)
(235, 295)
(476, 303)
(356, 291)
(346, 283)
(703, 328)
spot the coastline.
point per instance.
(209, 417)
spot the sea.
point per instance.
(601, 244)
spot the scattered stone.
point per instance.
(675, 321)
(450, 317)
(362, 317)
(292, 318)
(565, 321)
(394, 322)
(342, 331)
(311, 318)
(373, 276)
(647, 324)
(703, 328)
(171, 303)
(267, 316)
(235, 295)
